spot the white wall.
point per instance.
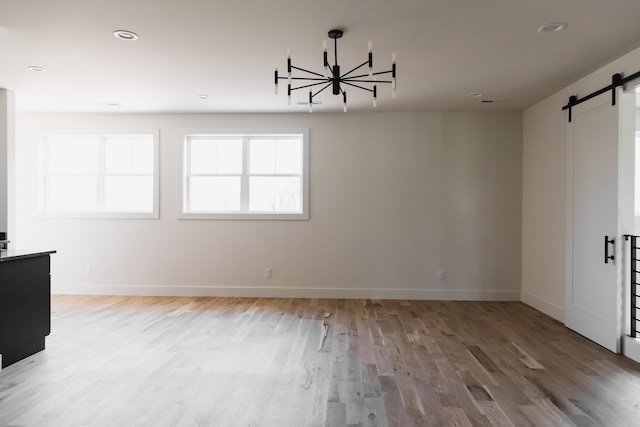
(544, 192)
(395, 197)
(7, 136)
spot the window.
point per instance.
(245, 175)
(100, 176)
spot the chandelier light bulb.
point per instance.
(276, 80)
(393, 75)
(289, 64)
(370, 59)
(325, 59)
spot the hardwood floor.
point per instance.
(156, 361)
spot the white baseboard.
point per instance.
(631, 348)
(544, 306)
(286, 292)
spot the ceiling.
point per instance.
(446, 49)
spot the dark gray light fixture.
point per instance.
(332, 77)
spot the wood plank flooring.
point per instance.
(160, 361)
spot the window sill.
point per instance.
(246, 216)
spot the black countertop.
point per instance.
(12, 255)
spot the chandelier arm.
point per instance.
(366, 81)
(309, 85)
(358, 86)
(324, 79)
(359, 66)
(330, 83)
(367, 75)
(306, 71)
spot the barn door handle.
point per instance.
(608, 241)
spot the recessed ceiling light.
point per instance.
(204, 96)
(125, 35)
(554, 27)
(35, 68)
(475, 94)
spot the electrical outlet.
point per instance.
(88, 270)
(267, 273)
(440, 275)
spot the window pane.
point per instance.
(275, 194)
(262, 156)
(289, 156)
(129, 155)
(129, 193)
(72, 193)
(214, 194)
(229, 156)
(70, 155)
(202, 157)
(275, 156)
(211, 156)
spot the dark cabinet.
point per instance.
(25, 305)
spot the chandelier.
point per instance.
(332, 77)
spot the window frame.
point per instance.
(100, 213)
(183, 137)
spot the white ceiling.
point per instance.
(228, 49)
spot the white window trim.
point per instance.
(154, 214)
(182, 137)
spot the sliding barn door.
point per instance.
(596, 164)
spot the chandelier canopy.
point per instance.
(332, 77)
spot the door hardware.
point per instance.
(608, 241)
